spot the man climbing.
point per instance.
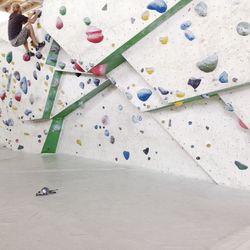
(18, 35)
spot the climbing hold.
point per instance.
(158, 5)
(24, 85)
(82, 85)
(59, 23)
(185, 25)
(189, 35)
(195, 83)
(144, 94)
(243, 28)
(105, 7)
(178, 104)
(136, 118)
(240, 165)
(164, 40)
(61, 65)
(17, 75)
(78, 67)
(180, 94)
(35, 75)
(26, 57)
(18, 96)
(223, 77)
(5, 70)
(38, 66)
(145, 15)
(20, 147)
(112, 139)
(146, 151)
(31, 99)
(27, 112)
(9, 122)
(209, 64)
(2, 95)
(94, 35)
(163, 91)
(242, 124)
(126, 155)
(79, 142)
(96, 82)
(229, 107)
(129, 95)
(99, 70)
(132, 19)
(39, 55)
(150, 70)
(201, 9)
(9, 57)
(47, 38)
(87, 20)
(63, 10)
(105, 120)
(106, 132)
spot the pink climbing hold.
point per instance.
(18, 96)
(94, 35)
(99, 70)
(59, 23)
(78, 67)
(26, 57)
(242, 124)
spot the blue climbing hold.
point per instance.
(144, 94)
(158, 5)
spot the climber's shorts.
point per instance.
(21, 38)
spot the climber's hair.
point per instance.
(15, 7)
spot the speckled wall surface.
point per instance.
(157, 84)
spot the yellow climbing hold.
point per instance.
(39, 26)
(14, 108)
(145, 15)
(180, 94)
(150, 71)
(79, 142)
(178, 104)
(164, 40)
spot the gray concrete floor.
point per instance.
(101, 206)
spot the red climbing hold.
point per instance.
(59, 23)
(94, 35)
(2, 95)
(26, 57)
(242, 124)
(99, 70)
(18, 96)
(78, 67)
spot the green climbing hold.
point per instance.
(87, 20)
(9, 57)
(240, 165)
(63, 10)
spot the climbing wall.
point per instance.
(160, 84)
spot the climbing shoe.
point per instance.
(40, 45)
(30, 54)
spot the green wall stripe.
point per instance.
(54, 133)
(52, 139)
(53, 54)
(116, 58)
(52, 94)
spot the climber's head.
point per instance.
(16, 8)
